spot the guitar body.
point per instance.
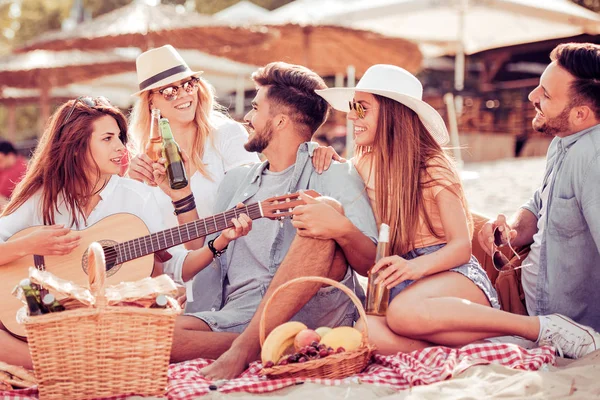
(110, 230)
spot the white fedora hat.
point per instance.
(159, 67)
(397, 84)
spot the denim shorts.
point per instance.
(471, 270)
(328, 307)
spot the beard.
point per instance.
(261, 139)
(553, 126)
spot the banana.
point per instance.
(279, 340)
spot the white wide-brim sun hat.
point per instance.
(159, 67)
(394, 83)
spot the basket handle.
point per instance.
(331, 282)
(97, 273)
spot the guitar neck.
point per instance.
(162, 240)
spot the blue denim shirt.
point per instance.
(569, 270)
(341, 181)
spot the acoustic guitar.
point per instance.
(128, 249)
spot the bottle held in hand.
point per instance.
(171, 152)
(378, 295)
(155, 142)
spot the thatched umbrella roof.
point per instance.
(145, 26)
(41, 68)
(327, 49)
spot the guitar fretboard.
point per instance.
(162, 240)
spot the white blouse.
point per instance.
(225, 153)
(120, 195)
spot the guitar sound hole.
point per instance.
(110, 257)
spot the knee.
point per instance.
(339, 265)
(404, 317)
(333, 203)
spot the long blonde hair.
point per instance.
(139, 124)
(401, 155)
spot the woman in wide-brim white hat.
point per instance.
(415, 189)
(212, 142)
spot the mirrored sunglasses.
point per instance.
(360, 110)
(170, 93)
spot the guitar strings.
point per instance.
(130, 247)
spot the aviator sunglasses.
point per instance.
(170, 93)
(88, 101)
(361, 111)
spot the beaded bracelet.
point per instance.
(211, 247)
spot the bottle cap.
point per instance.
(384, 233)
(25, 282)
(156, 112)
(161, 300)
(48, 299)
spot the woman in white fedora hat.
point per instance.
(415, 189)
(211, 142)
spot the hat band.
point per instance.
(163, 75)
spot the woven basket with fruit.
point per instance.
(293, 351)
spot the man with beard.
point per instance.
(325, 237)
(561, 222)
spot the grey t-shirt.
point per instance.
(249, 255)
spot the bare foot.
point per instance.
(230, 365)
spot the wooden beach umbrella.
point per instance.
(145, 26)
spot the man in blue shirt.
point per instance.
(325, 238)
(561, 222)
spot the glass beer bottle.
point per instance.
(160, 302)
(175, 168)
(155, 141)
(34, 305)
(378, 296)
(51, 304)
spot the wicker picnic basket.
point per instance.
(103, 350)
(335, 366)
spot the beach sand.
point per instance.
(502, 186)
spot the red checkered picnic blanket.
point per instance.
(400, 371)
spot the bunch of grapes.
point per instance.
(307, 353)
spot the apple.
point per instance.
(305, 337)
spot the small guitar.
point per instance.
(128, 249)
